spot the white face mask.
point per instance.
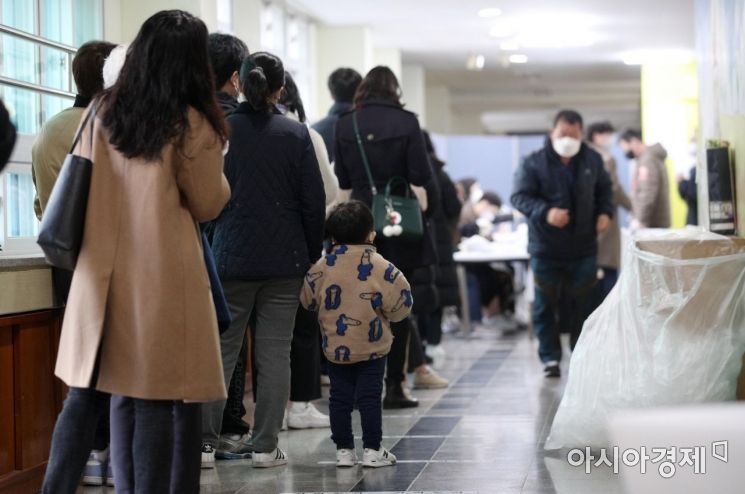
(567, 147)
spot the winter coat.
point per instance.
(583, 187)
(445, 218)
(357, 293)
(395, 148)
(272, 226)
(227, 103)
(49, 151)
(330, 182)
(327, 126)
(650, 194)
(140, 291)
(609, 243)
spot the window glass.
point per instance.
(20, 195)
(225, 16)
(23, 107)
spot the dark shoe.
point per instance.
(552, 370)
(395, 398)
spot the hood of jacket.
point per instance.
(657, 151)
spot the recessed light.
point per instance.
(518, 58)
(509, 46)
(490, 12)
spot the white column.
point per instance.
(439, 113)
(347, 46)
(389, 57)
(247, 22)
(413, 85)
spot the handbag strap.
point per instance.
(363, 153)
(89, 117)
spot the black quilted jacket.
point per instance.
(272, 227)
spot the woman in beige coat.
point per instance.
(140, 321)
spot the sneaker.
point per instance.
(325, 380)
(110, 476)
(234, 447)
(346, 458)
(284, 423)
(430, 379)
(379, 458)
(267, 460)
(552, 369)
(208, 456)
(96, 467)
(306, 416)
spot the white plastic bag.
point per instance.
(672, 331)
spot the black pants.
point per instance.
(493, 284)
(363, 383)
(235, 410)
(143, 440)
(430, 327)
(305, 364)
(76, 432)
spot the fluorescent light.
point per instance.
(509, 46)
(475, 62)
(518, 58)
(657, 57)
(490, 12)
(502, 30)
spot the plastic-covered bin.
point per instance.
(671, 332)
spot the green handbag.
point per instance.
(395, 216)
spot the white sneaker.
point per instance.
(267, 460)
(346, 458)
(379, 458)
(208, 456)
(306, 416)
(437, 354)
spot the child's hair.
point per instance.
(350, 223)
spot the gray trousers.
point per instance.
(275, 303)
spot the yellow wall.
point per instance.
(670, 117)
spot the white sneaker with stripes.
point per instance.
(379, 458)
(267, 460)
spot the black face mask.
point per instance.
(630, 155)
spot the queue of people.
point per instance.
(154, 339)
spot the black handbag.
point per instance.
(61, 231)
(394, 216)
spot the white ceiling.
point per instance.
(575, 58)
(441, 33)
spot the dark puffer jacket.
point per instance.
(272, 227)
(445, 219)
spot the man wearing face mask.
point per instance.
(600, 139)
(567, 197)
(650, 194)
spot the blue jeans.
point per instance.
(364, 381)
(570, 282)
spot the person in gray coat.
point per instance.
(650, 194)
(599, 138)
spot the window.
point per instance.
(225, 16)
(35, 66)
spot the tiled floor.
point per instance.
(483, 435)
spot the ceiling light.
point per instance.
(518, 58)
(509, 46)
(475, 62)
(657, 57)
(489, 12)
(502, 30)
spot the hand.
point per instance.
(558, 217)
(603, 223)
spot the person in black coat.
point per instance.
(226, 57)
(7, 136)
(269, 234)
(567, 197)
(689, 193)
(444, 215)
(343, 84)
(393, 142)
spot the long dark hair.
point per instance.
(379, 83)
(262, 75)
(167, 70)
(291, 98)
